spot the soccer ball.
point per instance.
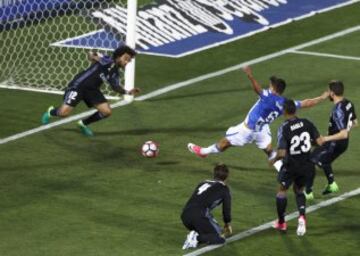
(150, 149)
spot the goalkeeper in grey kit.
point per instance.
(86, 86)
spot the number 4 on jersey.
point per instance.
(203, 188)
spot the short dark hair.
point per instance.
(289, 107)
(336, 87)
(221, 172)
(278, 83)
(122, 50)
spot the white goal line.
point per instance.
(268, 225)
(326, 55)
(176, 86)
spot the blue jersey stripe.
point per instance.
(339, 117)
(85, 75)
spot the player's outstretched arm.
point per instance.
(308, 103)
(320, 140)
(94, 56)
(255, 85)
(122, 91)
(343, 134)
(115, 85)
(133, 91)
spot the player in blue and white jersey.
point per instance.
(255, 127)
(85, 86)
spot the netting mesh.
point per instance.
(29, 29)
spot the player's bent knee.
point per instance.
(106, 112)
(268, 149)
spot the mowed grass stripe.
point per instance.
(176, 86)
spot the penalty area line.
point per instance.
(268, 225)
(185, 83)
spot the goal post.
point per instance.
(130, 41)
(44, 43)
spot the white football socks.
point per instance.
(213, 149)
(272, 155)
(278, 164)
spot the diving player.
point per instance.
(255, 128)
(86, 87)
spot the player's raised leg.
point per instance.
(235, 136)
(221, 146)
(323, 157)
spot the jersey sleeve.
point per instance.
(297, 104)
(105, 60)
(282, 143)
(264, 93)
(339, 118)
(227, 206)
(114, 82)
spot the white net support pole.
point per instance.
(130, 41)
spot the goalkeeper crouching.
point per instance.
(85, 86)
(197, 217)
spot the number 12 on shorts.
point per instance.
(71, 97)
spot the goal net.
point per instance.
(44, 43)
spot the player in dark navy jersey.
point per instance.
(86, 87)
(196, 215)
(295, 139)
(342, 119)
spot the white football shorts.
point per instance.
(240, 135)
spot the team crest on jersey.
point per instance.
(177, 28)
